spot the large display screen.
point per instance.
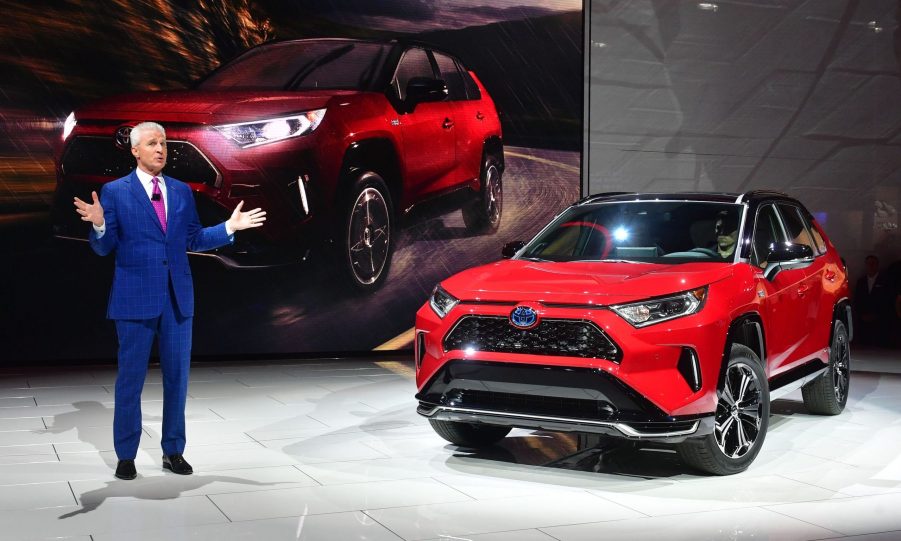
(392, 143)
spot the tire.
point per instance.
(484, 214)
(469, 435)
(828, 394)
(367, 241)
(724, 452)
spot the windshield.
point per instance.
(302, 65)
(641, 231)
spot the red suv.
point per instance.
(665, 317)
(336, 139)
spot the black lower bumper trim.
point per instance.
(552, 398)
(673, 432)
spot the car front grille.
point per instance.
(99, 156)
(562, 337)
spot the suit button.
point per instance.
(165, 262)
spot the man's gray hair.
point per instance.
(140, 128)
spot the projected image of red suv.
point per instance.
(335, 138)
(672, 318)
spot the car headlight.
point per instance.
(442, 302)
(651, 311)
(69, 125)
(251, 134)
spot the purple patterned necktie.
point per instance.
(158, 204)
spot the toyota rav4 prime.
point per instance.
(336, 139)
(670, 318)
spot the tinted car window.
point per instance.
(415, 63)
(451, 75)
(472, 89)
(302, 65)
(796, 227)
(818, 239)
(767, 232)
(646, 231)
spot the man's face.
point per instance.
(151, 151)
(872, 264)
(725, 240)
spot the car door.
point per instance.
(783, 313)
(427, 130)
(469, 120)
(810, 291)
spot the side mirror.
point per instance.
(425, 89)
(509, 250)
(787, 256)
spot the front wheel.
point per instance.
(469, 434)
(828, 394)
(367, 241)
(484, 214)
(741, 420)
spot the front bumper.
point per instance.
(550, 398)
(674, 367)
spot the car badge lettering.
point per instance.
(524, 317)
(123, 137)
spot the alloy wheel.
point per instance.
(841, 357)
(493, 194)
(368, 235)
(738, 412)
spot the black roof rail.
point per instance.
(754, 194)
(595, 196)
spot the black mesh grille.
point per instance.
(99, 156)
(564, 337)
(533, 404)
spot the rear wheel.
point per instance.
(367, 243)
(484, 214)
(469, 434)
(741, 421)
(828, 394)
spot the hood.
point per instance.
(205, 107)
(600, 283)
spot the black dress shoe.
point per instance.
(126, 470)
(177, 464)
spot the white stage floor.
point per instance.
(334, 450)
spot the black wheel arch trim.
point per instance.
(377, 154)
(494, 146)
(842, 312)
(746, 330)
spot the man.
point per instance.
(726, 240)
(873, 299)
(150, 221)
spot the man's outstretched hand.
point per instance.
(246, 220)
(90, 212)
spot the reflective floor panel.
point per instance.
(334, 450)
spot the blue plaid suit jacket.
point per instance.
(146, 258)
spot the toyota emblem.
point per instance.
(524, 317)
(123, 137)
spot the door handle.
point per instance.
(448, 124)
(803, 290)
(479, 115)
(830, 275)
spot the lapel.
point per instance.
(137, 190)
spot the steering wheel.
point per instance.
(706, 251)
